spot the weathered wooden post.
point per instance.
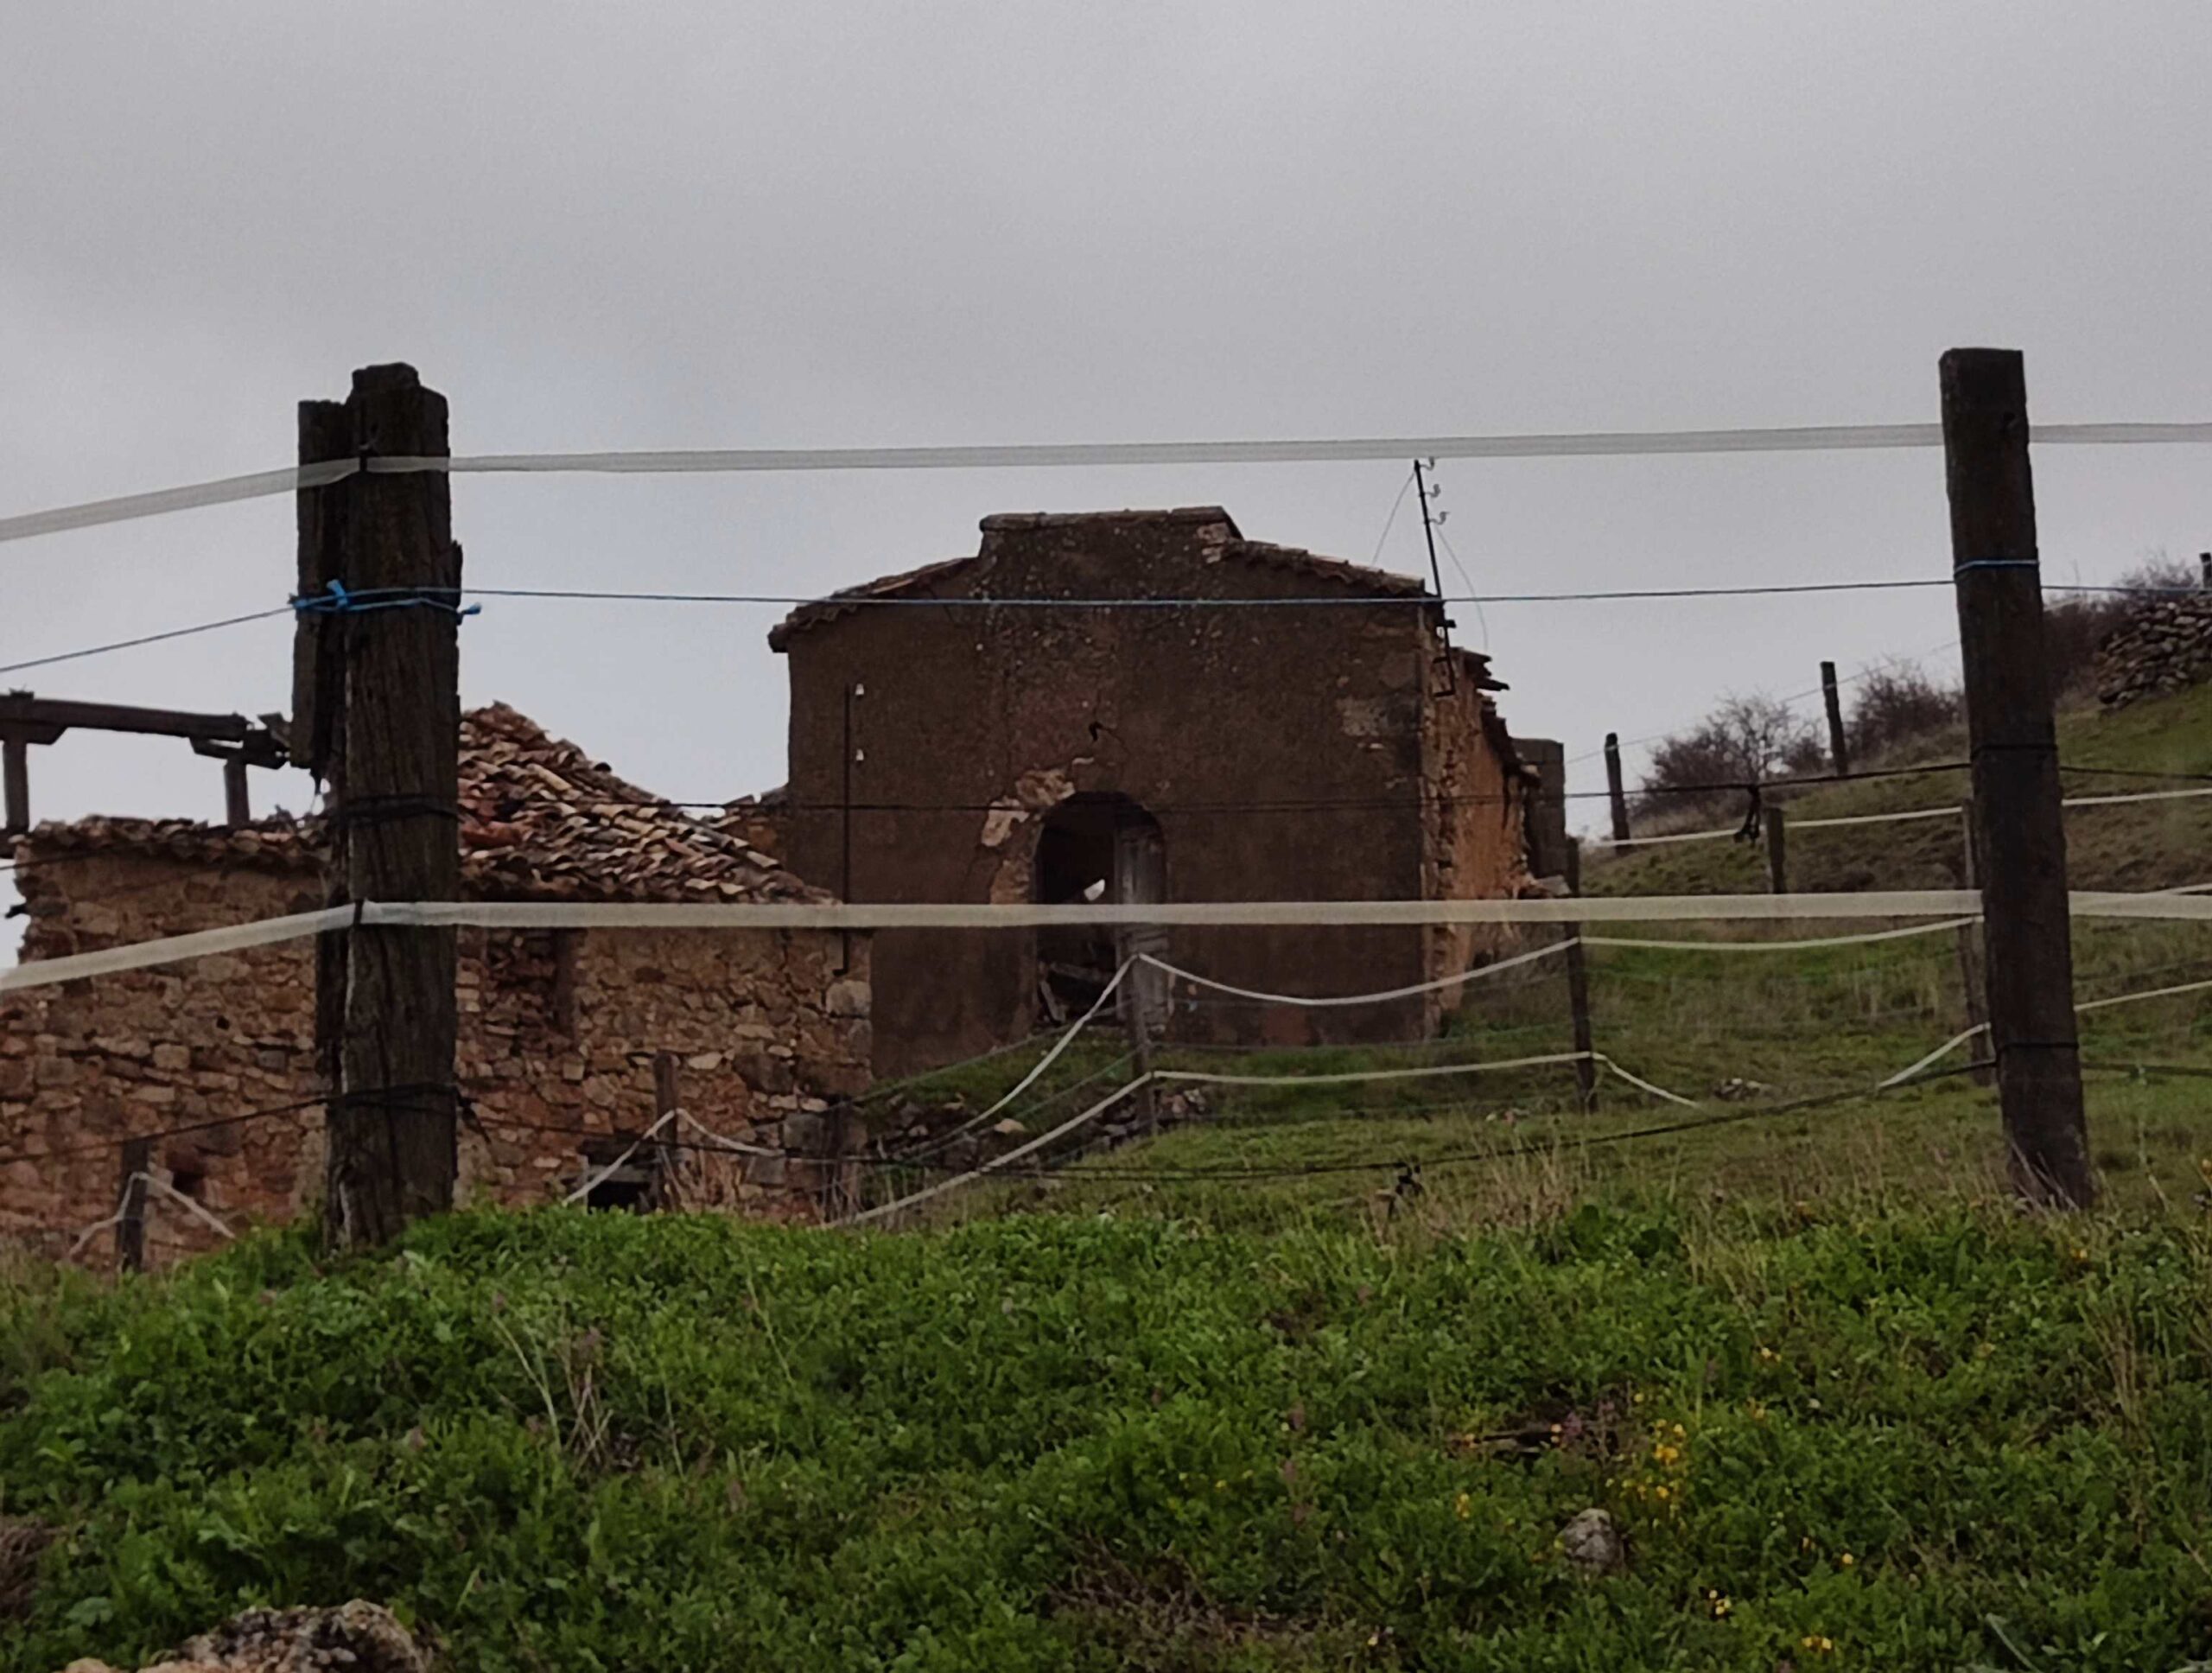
(131, 1228)
(1777, 858)
(668, 1099)
(2014, 745)
(1613, 789)
(1578, 992)
(1839, 743)
(395, 739)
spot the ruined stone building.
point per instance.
(765, 1033)
(1306, 751)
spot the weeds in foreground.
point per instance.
(1059, 1441)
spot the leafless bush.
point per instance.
(1747, 739)
(1897, 706)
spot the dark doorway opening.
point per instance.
(1095, 848)
(633, 1185)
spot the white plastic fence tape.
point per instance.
(1952, 810)
(1078, 1119)
(1955, 811)
(1427, 1071)
(121, 1208)
(2135, 796)
(1794, 945)
(169, 949)
(592, 1181)
(127, 507)
(735, 1146)
(170, 1191)
(1645, 1085)
(1352, 1077)
(2148, 993)
(2085, 1006)
(875, 915)
(1800, 439)
(1317, 1002)
(2163, 906)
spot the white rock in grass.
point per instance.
(1592, 1545)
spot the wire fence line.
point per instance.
(1009, 1165)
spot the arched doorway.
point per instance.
(1097, 847)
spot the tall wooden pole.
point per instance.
(1613, 788)
(391, 1139)
(2014, 744)
(1578, 992)
(1839, 744)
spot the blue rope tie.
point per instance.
(337, 602)
(1995, 563)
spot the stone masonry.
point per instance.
(1344, 751)
(560, 1030)
(2163, 646)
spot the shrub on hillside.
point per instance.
(1747, 739)
(1897, 706)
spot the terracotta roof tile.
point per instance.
(540, 820)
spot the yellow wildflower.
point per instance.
(1462, 1507)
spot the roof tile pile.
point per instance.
(539, 820)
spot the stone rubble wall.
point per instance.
(559, 1032)
(2164, 645)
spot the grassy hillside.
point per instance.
(1897, 1441)
(2145, 845)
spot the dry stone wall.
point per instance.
(559, 1036)
(2165, 644)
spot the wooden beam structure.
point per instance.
(27, 720)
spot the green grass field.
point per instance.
(1312, 1384)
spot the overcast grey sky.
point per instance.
(792, 224)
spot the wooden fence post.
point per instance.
(1839, 743)
(1578, 992)
(1618, 796)
(130, 1230)
(391, 1142)
(1777, 859)
(2014, 745)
